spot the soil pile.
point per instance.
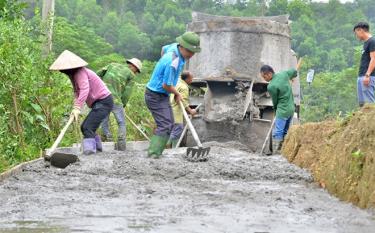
(340, 154)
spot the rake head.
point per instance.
(199, 154)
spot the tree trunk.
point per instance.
(47, 19)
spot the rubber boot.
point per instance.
(276, 146)
(281, 145)
(169, 144)
(89, 146)
(121, 145)
(157, 145)
(99, 145)
(174, 142)
(108, 138)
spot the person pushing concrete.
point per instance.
(283, 103)
(89, 88)
(119, 79)
(163, 81)
(366, 74)
(182, 88)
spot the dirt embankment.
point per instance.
(340, 154)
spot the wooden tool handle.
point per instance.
(61, 135)
(268, 136)
(185, 129)
(191, 127)
(136, 126)
(248, 99)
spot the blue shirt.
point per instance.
(166, 71)
(169, 48)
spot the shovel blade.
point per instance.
(199, 154)
(62, 160)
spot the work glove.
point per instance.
(75, 112)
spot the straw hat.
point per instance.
(67, 60)
(136, 62)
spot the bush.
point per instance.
(34, 100)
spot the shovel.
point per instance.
(61, 159)
(185, 130)
(268, 136)
(194, 154)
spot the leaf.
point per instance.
(40, 118)
(44, 125)
(357, 154)
(29, 117)
(36, 107)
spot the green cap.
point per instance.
(190, 41)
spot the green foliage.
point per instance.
(133, 41)
(102, 61)
(11, 9)
(83, 41)
(356, 163)
(330, 94)
(33, 99)
(358, 154)
(327, 96)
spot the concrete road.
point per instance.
(235, 191)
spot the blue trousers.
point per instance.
(365, 93)
(177, 131)
(281, 128)
(161, 111)
(118, 111)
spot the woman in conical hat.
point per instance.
(89, 88)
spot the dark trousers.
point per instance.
(161, 111)
(99, 111)
(177, 131)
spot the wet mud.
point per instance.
(234, 191)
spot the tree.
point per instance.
(108, 29)
(11, 9)
(81, 40)
(278, 7)
(297, 8)
(47, 17)
(134, 43)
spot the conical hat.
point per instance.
(67, 60)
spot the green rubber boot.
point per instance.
(169, 144)
(157, 145)
(174, 142)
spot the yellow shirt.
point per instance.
(183, 88)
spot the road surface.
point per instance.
(234, 191)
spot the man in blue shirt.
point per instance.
(163, 81)
(168, 48)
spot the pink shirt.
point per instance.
(88, 87)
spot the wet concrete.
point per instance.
(234, 191)
(250, 133)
